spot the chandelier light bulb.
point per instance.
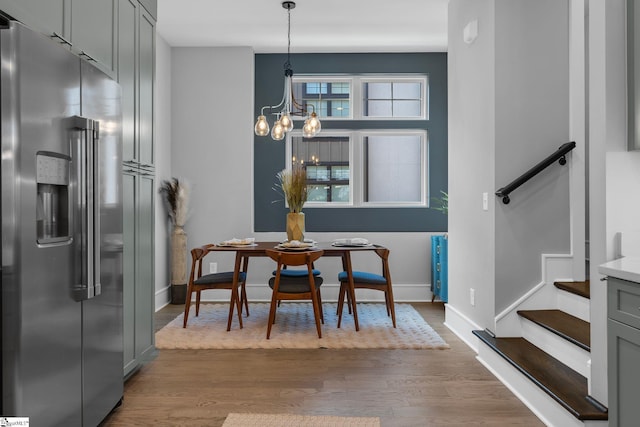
(286, 122)
(262, 127)
(307, 130)
(277, 133)
(314, 122)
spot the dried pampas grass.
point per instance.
(177, 200)
(293, 184)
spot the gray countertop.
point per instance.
(626, 268)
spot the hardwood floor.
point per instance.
(402, 387)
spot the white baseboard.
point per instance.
(462, 326)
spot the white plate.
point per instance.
(236, 245)
(351, 245)
(296, 248)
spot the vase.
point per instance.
(178, 265)
(295, 226)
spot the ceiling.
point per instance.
(316, 26)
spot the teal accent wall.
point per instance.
(269, 155)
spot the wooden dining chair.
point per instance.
(366, 280)
(297, 287)
(224, 280)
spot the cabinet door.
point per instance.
(129, 182)
(145, 283)
(624, 375)
(147, 46)
(93, 31)
(45, 16)
(127, 51)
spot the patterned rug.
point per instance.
(295, 328)
(283, 420)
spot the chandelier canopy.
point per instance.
(288, 107)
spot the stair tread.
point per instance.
(582, 289)
(563, 384)
(569, 327)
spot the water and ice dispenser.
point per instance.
(52, 207)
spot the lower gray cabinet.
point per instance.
(623, 351)
(138, 282)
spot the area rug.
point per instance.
(288, 420)
(295, 328)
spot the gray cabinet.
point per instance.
(138, 281)
(623, 351)
(93, 31)
(135, 73)
(46, 16)
(88, 27)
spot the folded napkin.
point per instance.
(296, 244)
(234, 241)
(359, 241)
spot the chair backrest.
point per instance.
(383, 253)
(294, 258)
(197, 254)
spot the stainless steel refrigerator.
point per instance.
(60, 130)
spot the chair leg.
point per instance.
(316, 312)
(197, 303)
(272, 314)
(341, 302)
(386, 302)
(244, 298)
(187, 306)
(235, 301)
(391, 305)
(320, 306)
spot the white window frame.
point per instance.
(324, 78)
(356, 167)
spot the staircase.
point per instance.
(548, 366)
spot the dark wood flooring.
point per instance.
(402, 387)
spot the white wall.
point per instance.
(532, 121)
(471, 78)
(163, 111)
(607, 141)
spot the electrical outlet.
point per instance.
(485, 201)
(472, 297)
(213, 267)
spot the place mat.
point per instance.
(283, 420)
(295, 328)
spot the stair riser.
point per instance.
(568, 353)
(544, 407)
(574, 305)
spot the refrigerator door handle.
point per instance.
(88, 191)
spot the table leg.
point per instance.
(243, 296)
(235, 299)
(346, 261)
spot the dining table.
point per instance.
(243, 252)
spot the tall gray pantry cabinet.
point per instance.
(119, 37)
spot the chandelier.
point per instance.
(288, 107)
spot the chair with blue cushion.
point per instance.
(298, 286)
(224, 280)
(367, 280)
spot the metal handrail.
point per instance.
(558, 155)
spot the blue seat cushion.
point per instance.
(225, 277)
(363, 277)
(296, 272)
(294, 285)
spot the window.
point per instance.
(391, 165)
(385, 167)
(393, 99)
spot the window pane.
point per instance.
(393, 168)
(379, 109)
(329, 99)
(409, 90)
(393, 99)
(326, 160)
